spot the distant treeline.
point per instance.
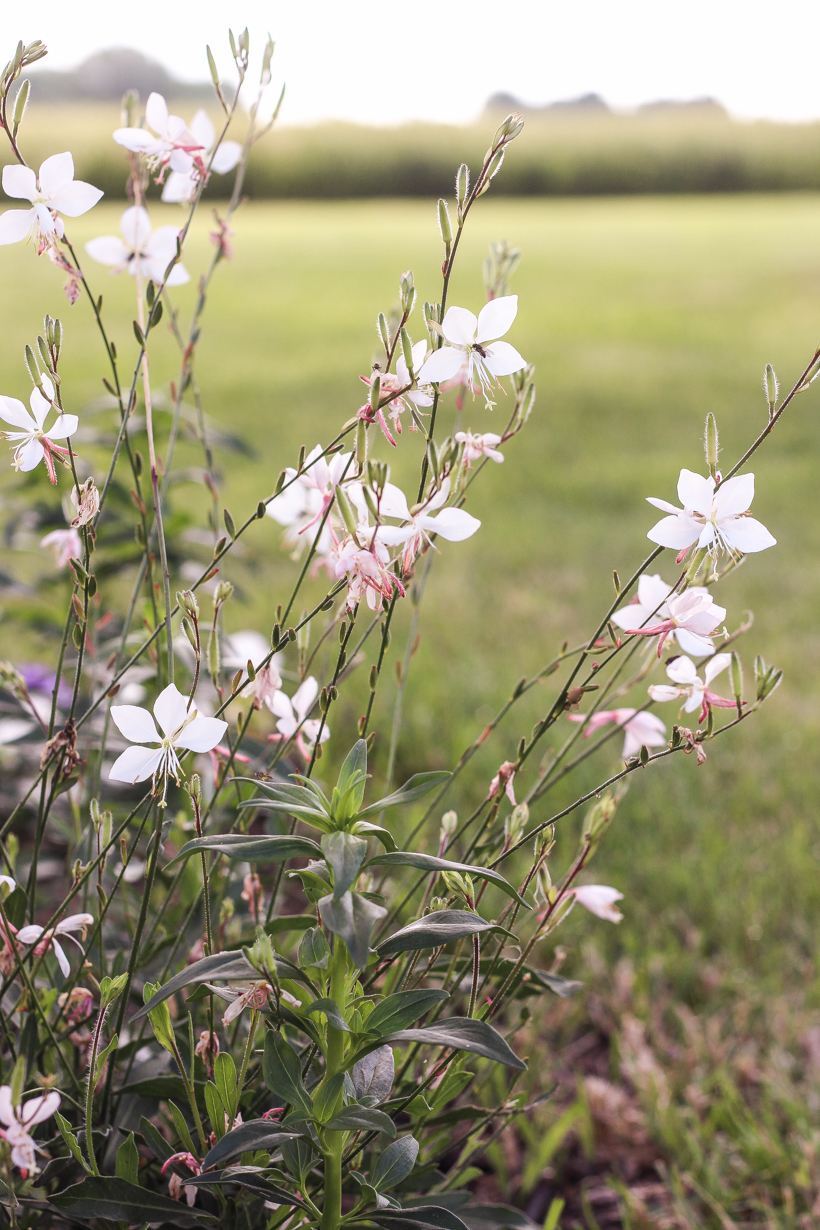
(580, 152)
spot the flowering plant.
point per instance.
(290, 1108)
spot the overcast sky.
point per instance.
(383, 62)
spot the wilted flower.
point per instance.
(170, 144)
(599, 900)
(487, 358)
(176, 1183)
(86, 503)
(477, 446)
(64, 544)
(52, 192)
(716, 519)
(267, 681)
(181, 185)
(641, 729)
(503, 780)
(244, 995)
(153, 251)
(693, 611)
(684, 673)
(17, 1120)
(651, 602)
(180, 727)
(33, 443)
(44, 939)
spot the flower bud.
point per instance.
(449, 823)
(190, 632)
(20, 104)
(445, 229)
(508, 130)
(515, 824)
(598, 819)
(460, 886)
(131, 101)
(361, 445)
(710, 443)
(33, 369)
(407, 292)
(186, 600)
(346, 511)
(229, 523)
(695, 564)
(266, 59)
(382, 330)
(770, 387)
(462, 186)
(407, 351)
(375, 390)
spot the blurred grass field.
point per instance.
(640, 315)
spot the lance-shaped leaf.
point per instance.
(372, 1077)
(361, 1119)
(255, 1134)
(434, 930)
(395, 1163)
(225, 966)
(348, 793)
(115, 1199)
(331, 1011)
(464, 1033)
(282, 1072)
(375, 830)
(420, 1217)
(565, 987)
(273, 848)
(314, 950)
(495, 1217)
(402, 1009)
(296, 800)
(344, 854)
(248, 1177)
(418, 785)
(352, 919)
(429, 862)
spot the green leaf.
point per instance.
(298, 1157)
(128, 1160)
(495, 1217)
(348, 793)
(155, 1140)
(229, 966)
(565, 987)
(352, 919)
(331, 1010)
(282, 1072)
(395, 1163)
(225, 1081)
(255, 1134)
(296, 800)
(464, 1034)
(71, 1140)
(102, 1056)
(428, 862)
(434, 930)
(344, 854)
(314, 950)
(182, 1129)
(289, 922)
(216, 1109)
(160, 1018)
(372, 1076)
(247, 1177)
(400, 1010)
(418, 785)
(361, 1119)
(251, 849)
(375, 830)
(327, 1096)
(160, 1087)
(420, 1217)
(15, 906)
(115, 1199)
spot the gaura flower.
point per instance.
(454, 524)
(48, 939)
(367, 570)
(181, 185)
(17, 1122)
(599, 900)
(176, 1182)
(292, 712)
(693, 611)
(297, 508)
(461, 382)
(477, 446)
(180, 727)
(322, 475)
(640, 729)
(716, 519)
(33, 444)
(464, 335)
(503, 781)
(244, 995)
(169, 144)
(684, 673)
(650, 603)
(153, 251)
(393, 382)
(65, 545)
(53, 192)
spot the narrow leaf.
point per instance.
(434, 930)
(372, 1077)
(464, 1034)
(400, 1010)
(251, 849)
(331, 1010)
(418, 785)
(421, 1217)
(115, 1199)
(344, 854)
(395, 1163)
(428, 862)
(282, 1072)
(361, 1119)
(128, 1160)
(352, 919)
(253, 1135)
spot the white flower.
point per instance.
(694, 611)
(394, 382)
(292, 712)
(48, 939)
(181, 185)
(17, 1120)
(153, 250)
(684, 673)
(12, 729)
(170, 144)
(463, 334)
(454, 524)
(599, 900)
(33, 444)
(641, 729)
(651, 604)
(65, 544)
(297, 508)
(180, 727)
(54, 191)
(476, 446)
(715, 519)
(244, 646)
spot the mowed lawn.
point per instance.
(640, 315)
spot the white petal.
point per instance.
(496, 317)
(503, 359)
(700, 646)
(135, 225)
(695, 491)
(74, 922)
(675, 532)
(311, 729)
(39, 406)
(459, 326)
(694, 701)
(62, 959)
(178, 276)
(634, 615)
(286, 725)
(202, 130)
(393, 535)
(135, 723)
(662, 692)
(652, 591)
(304, 696)
(442, 365)
(37, 1110)
(30, 934)
(682, 670)
(226, 157)
(181, 162)
(718, 663)
(202, 735)
(76, 198)
(280, 705)
(663, 505)
(20, 181)
(136, 764)
(64, 427)
(135, 139)
(746, 535)
(419, 350)
(7, 1114)
(14, 412)
(394, 503)
(31, 455)
(12, 729)
(15, 224)
(108, 250)
(178, 188)
(156, 113)
(170, 709)
(735, 496)
(454, 524)
(56, 173)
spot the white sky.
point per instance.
(382, 62)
